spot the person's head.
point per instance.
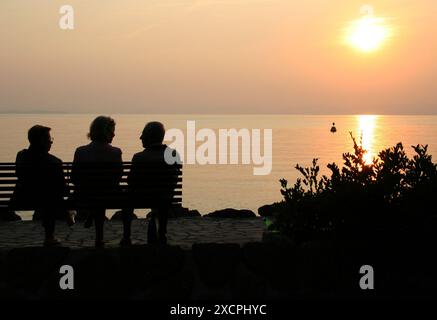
(102, 129)
(153, 134)
(39, 138)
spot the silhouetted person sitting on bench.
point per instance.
(41, 182)
(97, 160)
(151, 177)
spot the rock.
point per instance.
(276, 263)
(144, 267)
(97, 275)
(181, 212)
(184, 212)
(9, 216)
(216, 262)
(269, 210)
(119, 216)
(232, 213)
(28, 270)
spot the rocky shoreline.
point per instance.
(263, 211)
(183, 232)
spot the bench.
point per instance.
(150, 186)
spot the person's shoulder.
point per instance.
(138, 156)
(54, 159)
(81, 153)
(147, 155)
(107, 147)
(22, 153)
(116, 150)
(82, 148)
(114, 153)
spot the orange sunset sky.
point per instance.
(217, 56)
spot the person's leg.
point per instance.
(48, 222)
(127, 221)
(99, 219)
(49, 227)
(162, 228)
(38, 214)
(151, 228)
(69, 216)
(90, 217)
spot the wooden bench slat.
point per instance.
(68, 165)
(125, 200)
(68, 180)
(95, 174)
(152, 193)
(8, 181)
(4, 205)
(148, 193)
(11, 188)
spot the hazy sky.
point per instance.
(215, 56)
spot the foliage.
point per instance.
(390, 193)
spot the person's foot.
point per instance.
(88, 222)
(70, 218)
(125, 242)
(162, 240)
(52, 242)
(99, 244)
(152, 240)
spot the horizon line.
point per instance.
(215, 114)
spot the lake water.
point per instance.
(296, 139)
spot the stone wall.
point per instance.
(255, 271)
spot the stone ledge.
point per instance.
(210, 271)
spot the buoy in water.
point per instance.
(333, 128)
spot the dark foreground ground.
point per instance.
(221, 260)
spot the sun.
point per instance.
(367, 34)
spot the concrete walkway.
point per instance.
(182, 232)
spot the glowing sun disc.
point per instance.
(367, 34)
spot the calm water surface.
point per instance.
(296, 139)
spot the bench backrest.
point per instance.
(91, 186)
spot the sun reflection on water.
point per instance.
(366, 130)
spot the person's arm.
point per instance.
(131, 174)
(74, 175)
(120, 166)
(174, 172)
(24, 169)
(61, 179)
(177, 171)
(19, 170)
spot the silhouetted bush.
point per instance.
(390, 195)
